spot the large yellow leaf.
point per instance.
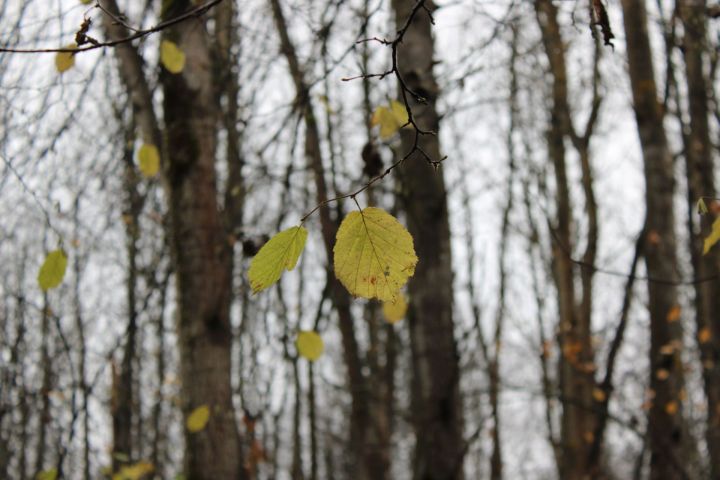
(394, 311)
(374, 254)
(134, 472)
(149, 160)
(64, 61)
(280, 253)
(198, 419)
(172, 57)
(52, 271)
(309, 345)
(714, 236)
(391, 119)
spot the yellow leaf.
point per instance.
(702, 208)
(64, 61)
(704, 335)
(394, 311)
(280, 253)
(662, 374)
(134, 472)
(50, 474)
(52, 271)
(172, 57)
(390, 119)
(671, 408)
(198, 419)
(599, 394)
(674, 314)
(149, 160)
(374, 254)
(309, 345)
(86, 2)
(713, 238)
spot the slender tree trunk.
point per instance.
(123, 393)
(364, 461)
(701, 183)
(436, 405)
(668, 438)
(576, 363)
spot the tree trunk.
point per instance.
(364, 461)
(701, 183)
(201, 251)
(668, 438)
(436, 404)
(576, 362)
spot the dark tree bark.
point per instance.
(436, 405)
(669, 441)
(701, 183)
(201, 252)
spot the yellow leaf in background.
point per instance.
(280, 253)
(86, 2)
(309, 345)
(198, 419)
(394, 311)
(702, 206)
(713, 238)
(52, 271)
(374, 254)
(149, 160)
(172, 57)
(134, 472)
(704, 335)
(674, 314)
(64, 61)
(50, 474)
(671, 408)
(599, 394)
(390, 119)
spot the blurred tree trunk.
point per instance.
(576, 363)
(701, 183)
(201, 251)
(436, 404)
(364, 461)
(670, 444)
(124, 384)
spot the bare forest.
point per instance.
(359, 239)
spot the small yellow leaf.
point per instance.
(671, 408)
(704, 335)
(599, 394)
(50, 474)
(374, 255)
(198, 419)
(391, 119)
(702, 208)
(394, 311)
(662, 374)
(713, 238)
(134, 472)
(86, 2)
(309, 345)
(64, 61)
(52, 271)
(149, 160)
(280, 253)
(674, 314)
(172, 57)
